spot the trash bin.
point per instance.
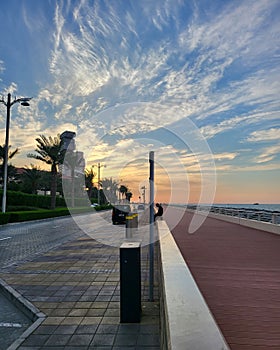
(130, 282)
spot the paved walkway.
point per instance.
(237, 270)
(77, 287)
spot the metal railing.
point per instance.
(259, 215)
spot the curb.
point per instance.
(24, 306)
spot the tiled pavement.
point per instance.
(77, 287)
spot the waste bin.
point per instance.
(130, 282)
(131, 224)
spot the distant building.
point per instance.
(74, 164)
(68, 142)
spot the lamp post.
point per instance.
(98, 179)
(144, 194)
(24, 101)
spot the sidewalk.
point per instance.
(77, 287)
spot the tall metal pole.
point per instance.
(24, 101)
(144, 194)
(98, 184)
(6, 154)
(151, 246)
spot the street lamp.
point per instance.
(98, 179)
(24, 101)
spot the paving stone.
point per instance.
(125, 339)
(36, 340)
(96, 312)
(91, 320)
(29, 348)
(58, 339)
(110, 320)
(107, 329)
(112, 312)
(99, 304)
(83, 304)
(45, 329)
(149, 329)
(78, 312)
(86, 329)
(72, 320)
(148, 340)
(146, 348)
(53, 320)
(129, 328)
(103, 339)
(65, 329)
(59, 312)
(80, 340)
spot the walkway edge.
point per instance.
(186, 320)
(26, 307)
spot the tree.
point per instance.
(49, 151)
(89, 176)
(11, 154)
(128, 196)
(123, 190)
(31, 177)
(110, 189)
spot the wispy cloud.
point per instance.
(119, 71)
(268, 154)
(264, 135)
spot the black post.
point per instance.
(130, 282)
(6, 155)
(151, 246)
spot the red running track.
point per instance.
(237, 269)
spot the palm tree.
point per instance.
(123, 190)
(110, 188)
(49, 151)
(89, 176)
(128, 196)
(32, 176)
(11, 154)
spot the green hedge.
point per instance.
(103, 207)
(37, 215)
(15, 198)
(28, 215)
(4, 218)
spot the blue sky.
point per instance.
(127, 75)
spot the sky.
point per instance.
(196, 82)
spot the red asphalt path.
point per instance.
(237, 269)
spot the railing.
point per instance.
(259, 215)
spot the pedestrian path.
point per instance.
(77, 287)
(237, 270)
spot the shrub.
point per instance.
(20, 208)
(4, 218)
(37, 215)
(103, 207)
(31, 200)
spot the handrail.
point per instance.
(250, 214)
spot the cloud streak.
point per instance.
(137, 66)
